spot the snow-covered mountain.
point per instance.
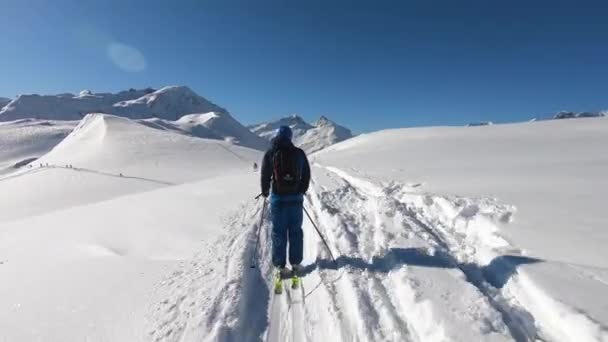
(309, 137)
(169, 103)
(572, 115)
(267, 130)
(175, 108)
(212, 125)
(4, 101)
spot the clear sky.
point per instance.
(366, 64)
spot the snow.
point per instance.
(170, 103)
(214, 125)
(268, 130)
(4, 101)
(85, 239)
(138, 230)
(25, 140)
(310, 138)
(571, 115)
(551, 177)
(325, 133)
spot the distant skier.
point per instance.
(286, 168)
(255, 167)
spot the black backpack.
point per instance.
(285, 171)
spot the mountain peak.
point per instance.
(311, 138)
(171, 102)
(323, 121)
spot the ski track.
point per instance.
(528, 313)
(411, 267)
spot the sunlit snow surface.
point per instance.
(441, 234)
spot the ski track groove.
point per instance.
(371, 305)
(455, 243)
(360, 221)
(514, 316)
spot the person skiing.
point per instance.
(285, 177)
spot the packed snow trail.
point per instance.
(410, 267)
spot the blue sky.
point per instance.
(366, 64)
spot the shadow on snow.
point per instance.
(497, 273)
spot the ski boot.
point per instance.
(295, 276)
(280, 274)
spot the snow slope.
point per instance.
(24, 140)
(169, 103)
(84, 238)
(103, 147)
(4, 101)
(213, 125)
(310, 138)
(324, 133)
(222, 125)
(443, 234)
(415, 261)
(550, 178)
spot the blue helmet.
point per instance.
(284, 132)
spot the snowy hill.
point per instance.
(310, 138)
(117, 206)
(122, 232)
(213, 125)
(24, 140)
(168, 103)
(530, 190)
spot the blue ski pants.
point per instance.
(287, 228)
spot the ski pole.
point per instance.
(257, 242)
(320, 235)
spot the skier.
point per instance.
(286, 168)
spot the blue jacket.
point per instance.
(267, 174)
